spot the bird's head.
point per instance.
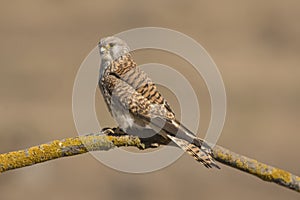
(111, 48)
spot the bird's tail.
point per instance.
(200, 154)
(191, 144)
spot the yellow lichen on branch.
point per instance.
(97, 142)
(63, 148)
(261, 170)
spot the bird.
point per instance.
(136, 104)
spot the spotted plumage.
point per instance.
(136, 104)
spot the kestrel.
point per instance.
(136, 104)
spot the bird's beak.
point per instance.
(102, 50)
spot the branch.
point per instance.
(261, 170)
(100, 142)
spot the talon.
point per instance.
(108, 131)
(113, 132)
(155, 145)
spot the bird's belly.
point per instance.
(127, 122)
(123, 118)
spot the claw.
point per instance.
(108, 131)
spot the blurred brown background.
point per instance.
(256, 45)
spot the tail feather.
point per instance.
(186, 140)
(201, 154)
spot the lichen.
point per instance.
(222, 156)
(281, 175)
(126, 141)
(240, 164)
(94, 142)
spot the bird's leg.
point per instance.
(119, 131)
